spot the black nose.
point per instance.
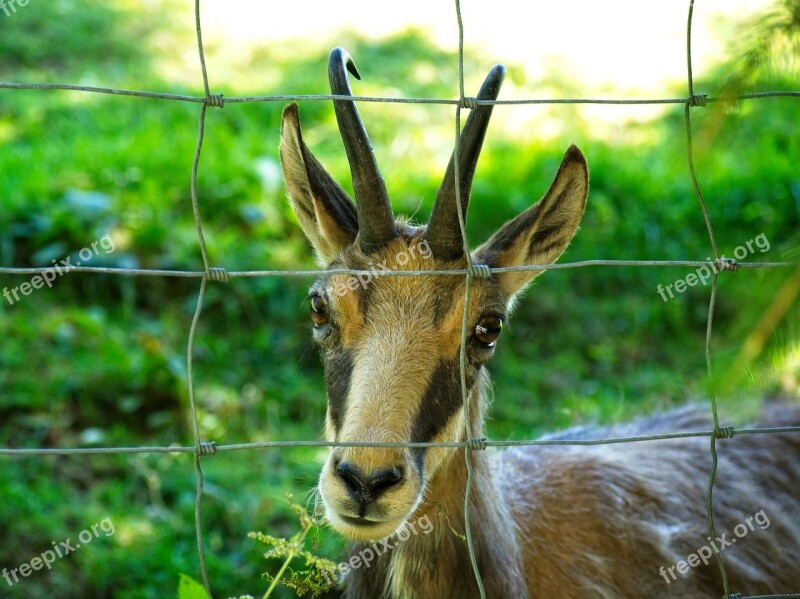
(367, 488)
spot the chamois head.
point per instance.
(390, 344)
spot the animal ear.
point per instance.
(326, 213)
(541, 233)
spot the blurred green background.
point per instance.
(99, 360)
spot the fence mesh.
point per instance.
(218, 274)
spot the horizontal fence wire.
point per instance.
(220, 98)
(212, 447)
(219, 274)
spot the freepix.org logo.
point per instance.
(59, 550)
(367, 554)
(403, 258)
(60, 268)
(706, 552)
(9, 7)
(703, 274)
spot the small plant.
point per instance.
(311, 580)
(189, 588)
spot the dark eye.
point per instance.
(320, 313)
(488, 330)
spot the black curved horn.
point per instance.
(444, 232)
(375, 218)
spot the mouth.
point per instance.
(363, 529)
(361, 522)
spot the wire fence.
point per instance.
(203, 448)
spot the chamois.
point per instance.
(606, 521)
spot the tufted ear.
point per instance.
(541, 233)
(326, 213)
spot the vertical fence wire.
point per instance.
(462, 352)
(699, 101)
(208, 100)
(209, 273)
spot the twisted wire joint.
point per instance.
(477, 443)
(698, 100)
(727, 264)
(207, 448)
(725, 432)
(480, 271)
(215, 100)
(217, 273)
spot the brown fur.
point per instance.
(547, 521)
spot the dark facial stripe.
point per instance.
(364, 301)
(441, 400)
(338, 369)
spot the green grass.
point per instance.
(100, 360)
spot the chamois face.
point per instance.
(390, 344)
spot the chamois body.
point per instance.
(605, 521)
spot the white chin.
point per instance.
(363, 530)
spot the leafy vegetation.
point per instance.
(99, 360)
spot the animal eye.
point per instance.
(320, 313)
(488, 330)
